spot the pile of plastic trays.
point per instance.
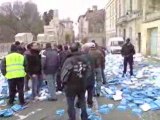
(138, 93)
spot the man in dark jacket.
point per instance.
(127, 52)
(97, 57)
(58, 79)
(102, 50)
(90, 78)
(50, 65)
(74, 78)
(33, 68)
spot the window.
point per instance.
(116, 43)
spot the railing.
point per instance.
(122, 19)
(152, 16)
(129, 16)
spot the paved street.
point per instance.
(46, 111)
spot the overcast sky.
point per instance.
(67, 8)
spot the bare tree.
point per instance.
(17, 18)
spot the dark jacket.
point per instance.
(90, 74)
(103, 58)
(127, 50)
(27, 52)
(33, 62)
(72, 85)
(97, 56)
(63, 56)
(50, 63)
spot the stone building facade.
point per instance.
(92, 26)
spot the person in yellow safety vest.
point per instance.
(13, 68)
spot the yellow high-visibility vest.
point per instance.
(15, 66)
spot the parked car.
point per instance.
(114, 45)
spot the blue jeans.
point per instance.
(98, 79)
(35, 85)
(71, 107)
(51, 81)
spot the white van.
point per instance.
(114, 45)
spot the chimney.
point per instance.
(94, 7)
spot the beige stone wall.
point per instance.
(99, 38)
(132, 29)
(145, 35)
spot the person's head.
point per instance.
(55, 46)
(65, 47)
(34, 46)
(74, 47)
(93, 46)
(93, 41)
(17, 43)
(13, 48)
(85, 49)
(29, 46)
(60, 47)
(128, 40)
(48, 45)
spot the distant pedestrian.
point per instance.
(97, 57)
(74, 78)
(58, 79)
(13, 68)
(90, 78)
(50, 65)
(34, 69)
(127, 52)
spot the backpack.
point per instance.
(79, 68)
(76, 69)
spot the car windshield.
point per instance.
(116, 43)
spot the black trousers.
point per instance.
(90, 90)
(128, 60)
(26, 81)
(16, 85)
(71, 107)
(58, 81)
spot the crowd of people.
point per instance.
(60, 67)
(74, 69)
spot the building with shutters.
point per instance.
(92, 26)
(150, 28)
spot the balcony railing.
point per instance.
(122, 19)
(129, 16)
(134, 15)
(152, 16)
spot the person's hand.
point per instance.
(34, 75)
